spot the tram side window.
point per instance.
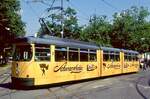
(111, 56)
(73, 54)
(92, 55)
(60, 54)
(22, 53)
(83, 55)
(128, 57)
(117, 56)
(106, 56)
(42, 52)
(125, 57)
(135, 57)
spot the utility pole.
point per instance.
(62, 20)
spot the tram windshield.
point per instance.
(22, 53)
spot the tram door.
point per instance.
(22, 59)
(42, 57)
(111, 63)
(131, 63)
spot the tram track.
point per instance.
(75, 95)
(70, 93)
(4, 77)
(138, 89)
(8, 93)
(5, 73)
(73, 91)
(54, 93)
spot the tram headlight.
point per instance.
(27, 76)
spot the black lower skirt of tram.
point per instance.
(17, 82)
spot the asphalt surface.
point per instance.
(131, 86)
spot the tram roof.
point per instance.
(58, 41)
(110, 49)
(130, 51)
(68, 42)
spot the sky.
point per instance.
(32, 11)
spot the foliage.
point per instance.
(70, 24)
(130, 29)
(97, 31)
(10, 18)
(10, 23)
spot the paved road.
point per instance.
(133, 86)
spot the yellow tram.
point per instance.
(51, 60)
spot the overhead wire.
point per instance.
(42, 15)
(39, 16)
(52, 4)
(41, 1)
(45, 3)
(84, 15)
(35, 13)
(110, 5)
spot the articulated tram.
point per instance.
(51, 60)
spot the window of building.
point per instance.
(60, 54)
(42, 52)
(73, 54)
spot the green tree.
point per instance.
(131, 29)
(70, 24)
(10, 23)
(97, 31)
(10, 17)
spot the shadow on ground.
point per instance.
(6, 85)
(10, 86)
(138, 89)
